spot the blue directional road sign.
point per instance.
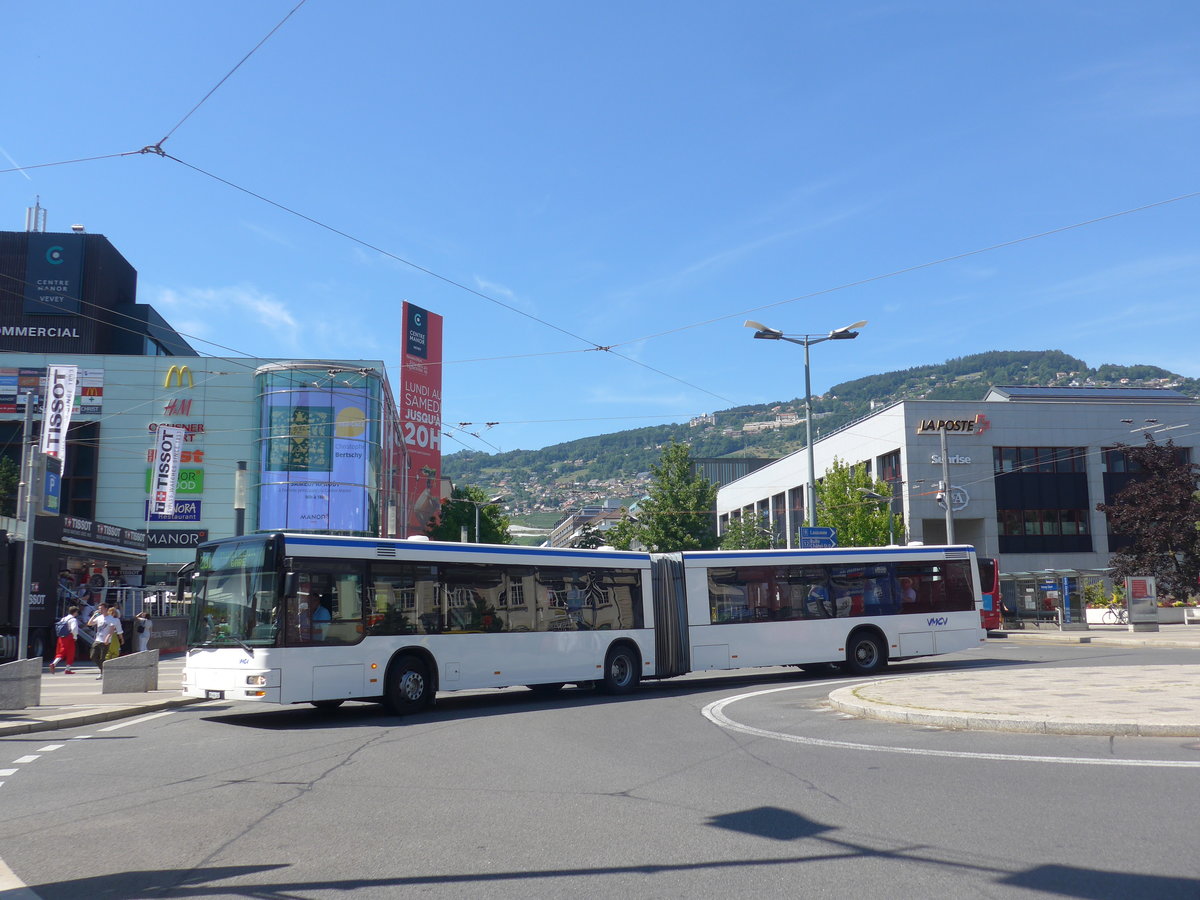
(813, 537)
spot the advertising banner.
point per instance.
(16, 383)
(176, 537)
(189, 481)
(53, 274)
(181, 511)
(1142, 599)
(316, 460)
(60, 390)
(421, 416)
(169, 444)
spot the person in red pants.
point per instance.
(67, 630)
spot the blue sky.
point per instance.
(640, 176)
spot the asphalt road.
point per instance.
(740, 785)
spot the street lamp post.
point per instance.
(239, 498)
(477, 504)
(845, 333)
(872, 495)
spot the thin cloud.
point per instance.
(506, 294)
(268, 234)
(16, 164)
(224, 307)
(1144, 86)
(1135, 276)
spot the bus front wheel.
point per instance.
(865, 654)
(409, 688)
(621, 673)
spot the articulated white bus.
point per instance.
(302, 618)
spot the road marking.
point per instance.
(24, 759)
(136, 721)
(714, 712)
(4, 773)
(50, 747)
(12, 886)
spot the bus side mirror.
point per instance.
(289, 584)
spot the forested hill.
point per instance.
(619, 457)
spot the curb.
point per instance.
(1109, 640)
(70, 719)
(847, 701)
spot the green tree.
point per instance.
(1158, 513)
(10, 479)
(860, 521)
(677, 514)
(458, 510)
(745, 533)
(589, 538)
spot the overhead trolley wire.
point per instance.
(215, 87)
(592, 345)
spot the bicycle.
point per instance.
(1115, 615)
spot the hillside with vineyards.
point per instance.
(565, 476)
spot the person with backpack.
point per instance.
(66, 630)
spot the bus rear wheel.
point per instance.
(865, 654)
(621, 673)
(409, 688)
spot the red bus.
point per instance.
(989, 587)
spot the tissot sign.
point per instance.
(977, 425)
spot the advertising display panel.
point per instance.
(421, 416)
(15, 383)
(53, 274)
(315, 462)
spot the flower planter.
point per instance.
(1167, 615)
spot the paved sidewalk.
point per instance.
(70, 701)
(1177, 636)
(1151, 701)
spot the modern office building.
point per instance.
(75, 293)
(317, 439)
(1027, 466)
(317, 442)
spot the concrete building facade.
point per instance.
(1027, 468)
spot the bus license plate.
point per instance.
(214, 695)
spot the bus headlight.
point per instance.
(257, 680)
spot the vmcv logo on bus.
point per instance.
(938, 620)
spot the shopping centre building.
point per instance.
(270, 443)
(1027, 467)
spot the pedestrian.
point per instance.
(143, 625)
(106, 626)
(118, 636)
(67, 630)
(88, 609)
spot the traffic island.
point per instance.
(136, 673)
(21, 684)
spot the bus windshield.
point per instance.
(233, 595)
